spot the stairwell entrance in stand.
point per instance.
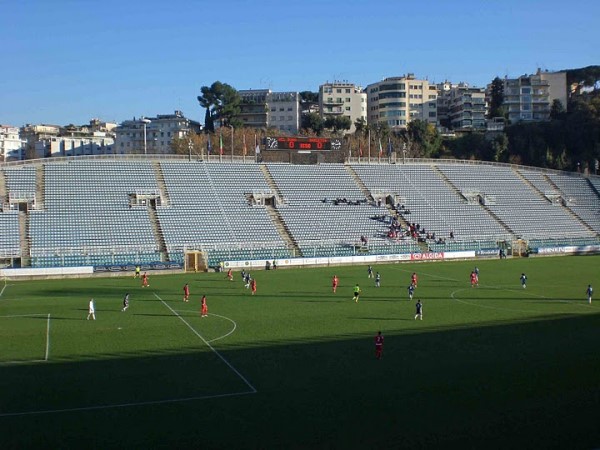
(195, 262)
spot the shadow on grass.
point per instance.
(504, 385)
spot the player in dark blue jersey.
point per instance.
(411, 291)
(523, 280)
(377, 280)
(589, 291)
(419, 310)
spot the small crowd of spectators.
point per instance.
(344, 201)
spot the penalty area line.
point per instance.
(242, 377)
(124, 405)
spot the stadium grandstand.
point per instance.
(158, 210)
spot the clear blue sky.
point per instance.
(67, 61)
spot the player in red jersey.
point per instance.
(335, 283)
(230, 275)
(204, 307)
(378, 345)
(253, 286)
(474, 279)
(145, 280)
(186, 293)
(414, 279)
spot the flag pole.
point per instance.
(369, 146)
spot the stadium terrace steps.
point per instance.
(162, 185)
(271, 182)
(531, 185)
(158, 234)
(3, 190)
(283, 230)
(39, 187)
(24, 237)
(360, 183)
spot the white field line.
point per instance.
(123, 405)
(453, 297)
(47, 338)
(23, 315)
(217, 315)
(29, 361)
(242, 377)
(2, 291)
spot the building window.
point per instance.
(290, 109)
(338, 91)
(338, 100)
(347, 108)
(347, 91)
(432, 114)
(273, 109)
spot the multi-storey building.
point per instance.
(284, 111)
(465, 107)
(530, 97)
(36, 138)
(254, 110)
(262, 108)
(11, 146)
(94, 143)
(342, 98)
(398, 100)
(153, 134)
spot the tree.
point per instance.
(424, 138)
(496, 99)
(360, 125)
(313, 121)
(309, 97)
(557, 111)
(209, 125)
(192, 144)
(222, 102)
(337, 123)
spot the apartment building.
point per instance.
(343, 98)
(530, 97)
(262, 108)
(465, 107)
(398, 100)
(153, 134)
(11, 146)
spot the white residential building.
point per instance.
(530, 97)
(343, 98)
(284, 111)
(152, 134)
(398, 100)
(262, 108)
(11, 146)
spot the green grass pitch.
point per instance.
(496, 366)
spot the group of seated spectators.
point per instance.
(344, 201)
(401, 209)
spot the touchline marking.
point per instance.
(124, 405)
(252, 388)
(24, 315)
(47, 338)
(217, 315)
(506, 309)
